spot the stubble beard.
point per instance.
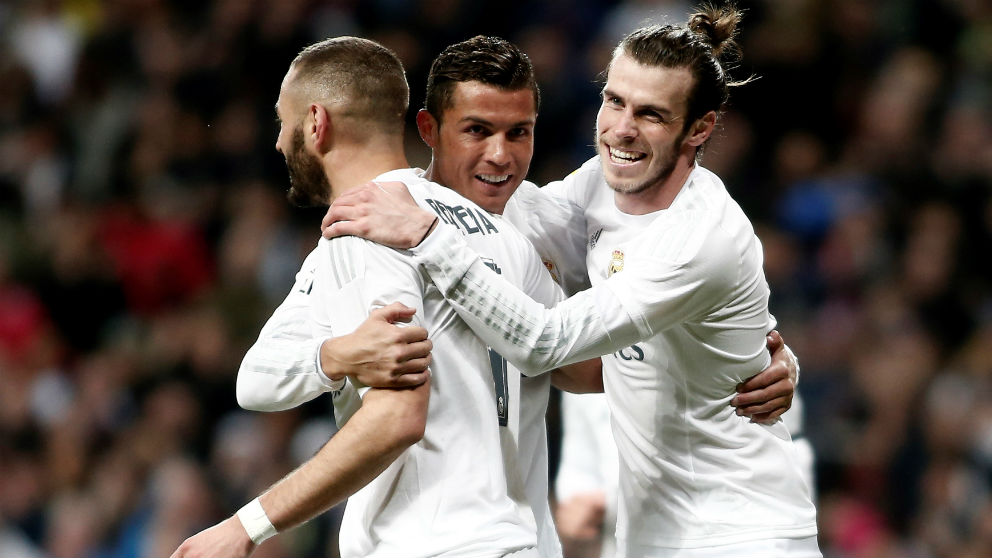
(308, 185)
(667, 167)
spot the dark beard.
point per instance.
(308, 185)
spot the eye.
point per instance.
(519, 132)
(652, 116)
(475, 129)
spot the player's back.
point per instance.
(447, 494)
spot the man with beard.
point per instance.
(481, 106)
(677, 281)
(433, 475)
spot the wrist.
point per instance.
(432, 224)
(328, 366)
(255, 522)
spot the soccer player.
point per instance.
(678, 289)
(482, 103)
(430, 455)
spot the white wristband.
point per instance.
(255, 522)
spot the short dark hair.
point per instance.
(365, 74)
(489, 60)
(706, 46)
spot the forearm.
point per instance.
(582, 377)
(279, 373)
(388, 422)
(532, 337)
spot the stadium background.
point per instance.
(144, 238)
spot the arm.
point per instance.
(281, 371)
(591, 323)
(581, 377)
(388, 422)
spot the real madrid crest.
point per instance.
(616, 263)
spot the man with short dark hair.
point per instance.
(423, 479)
(677, 280)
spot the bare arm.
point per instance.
(388, 422)
(582, 377)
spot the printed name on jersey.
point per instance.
(595, 238)
(616, 263)
(468, 220)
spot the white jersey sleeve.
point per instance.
(280, 370)
(532, 337)
(556, 227)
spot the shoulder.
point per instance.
(349, 258)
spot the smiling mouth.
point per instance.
(623, 157)
(494, 179)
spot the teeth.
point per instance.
(493, 178)
(622, 155)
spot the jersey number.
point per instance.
(498, 364)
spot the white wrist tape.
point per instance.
(255, 522)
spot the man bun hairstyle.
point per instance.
(364, 77)
(489, 60)
(706, 46)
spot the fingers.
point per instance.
(396, 312)
(776, 372)
(412, 379)
(774, 341)
(780, 388)
(768, 418)
(783, 402)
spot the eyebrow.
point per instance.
(485, 122)
(661, 110)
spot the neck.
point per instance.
(350, 166)
(660, 195)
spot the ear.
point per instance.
(701, 129)
(428, 127)
(318, 128)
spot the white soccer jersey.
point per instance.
(679, 297)
(444, 495)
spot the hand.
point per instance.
(765, 396)
(381, 212)
(580, 517)
(380, 353)
(227, 538)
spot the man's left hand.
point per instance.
(764, 397)
(227, 538)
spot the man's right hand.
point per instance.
(380, 353)
(381, 212)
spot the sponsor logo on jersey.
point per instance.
(616, 263)
(469, 220)
(595, 238)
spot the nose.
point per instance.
(625, 126)
(497, 151)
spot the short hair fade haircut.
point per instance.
(365, 76)
(489, 60)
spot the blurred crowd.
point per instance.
(145, 237)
